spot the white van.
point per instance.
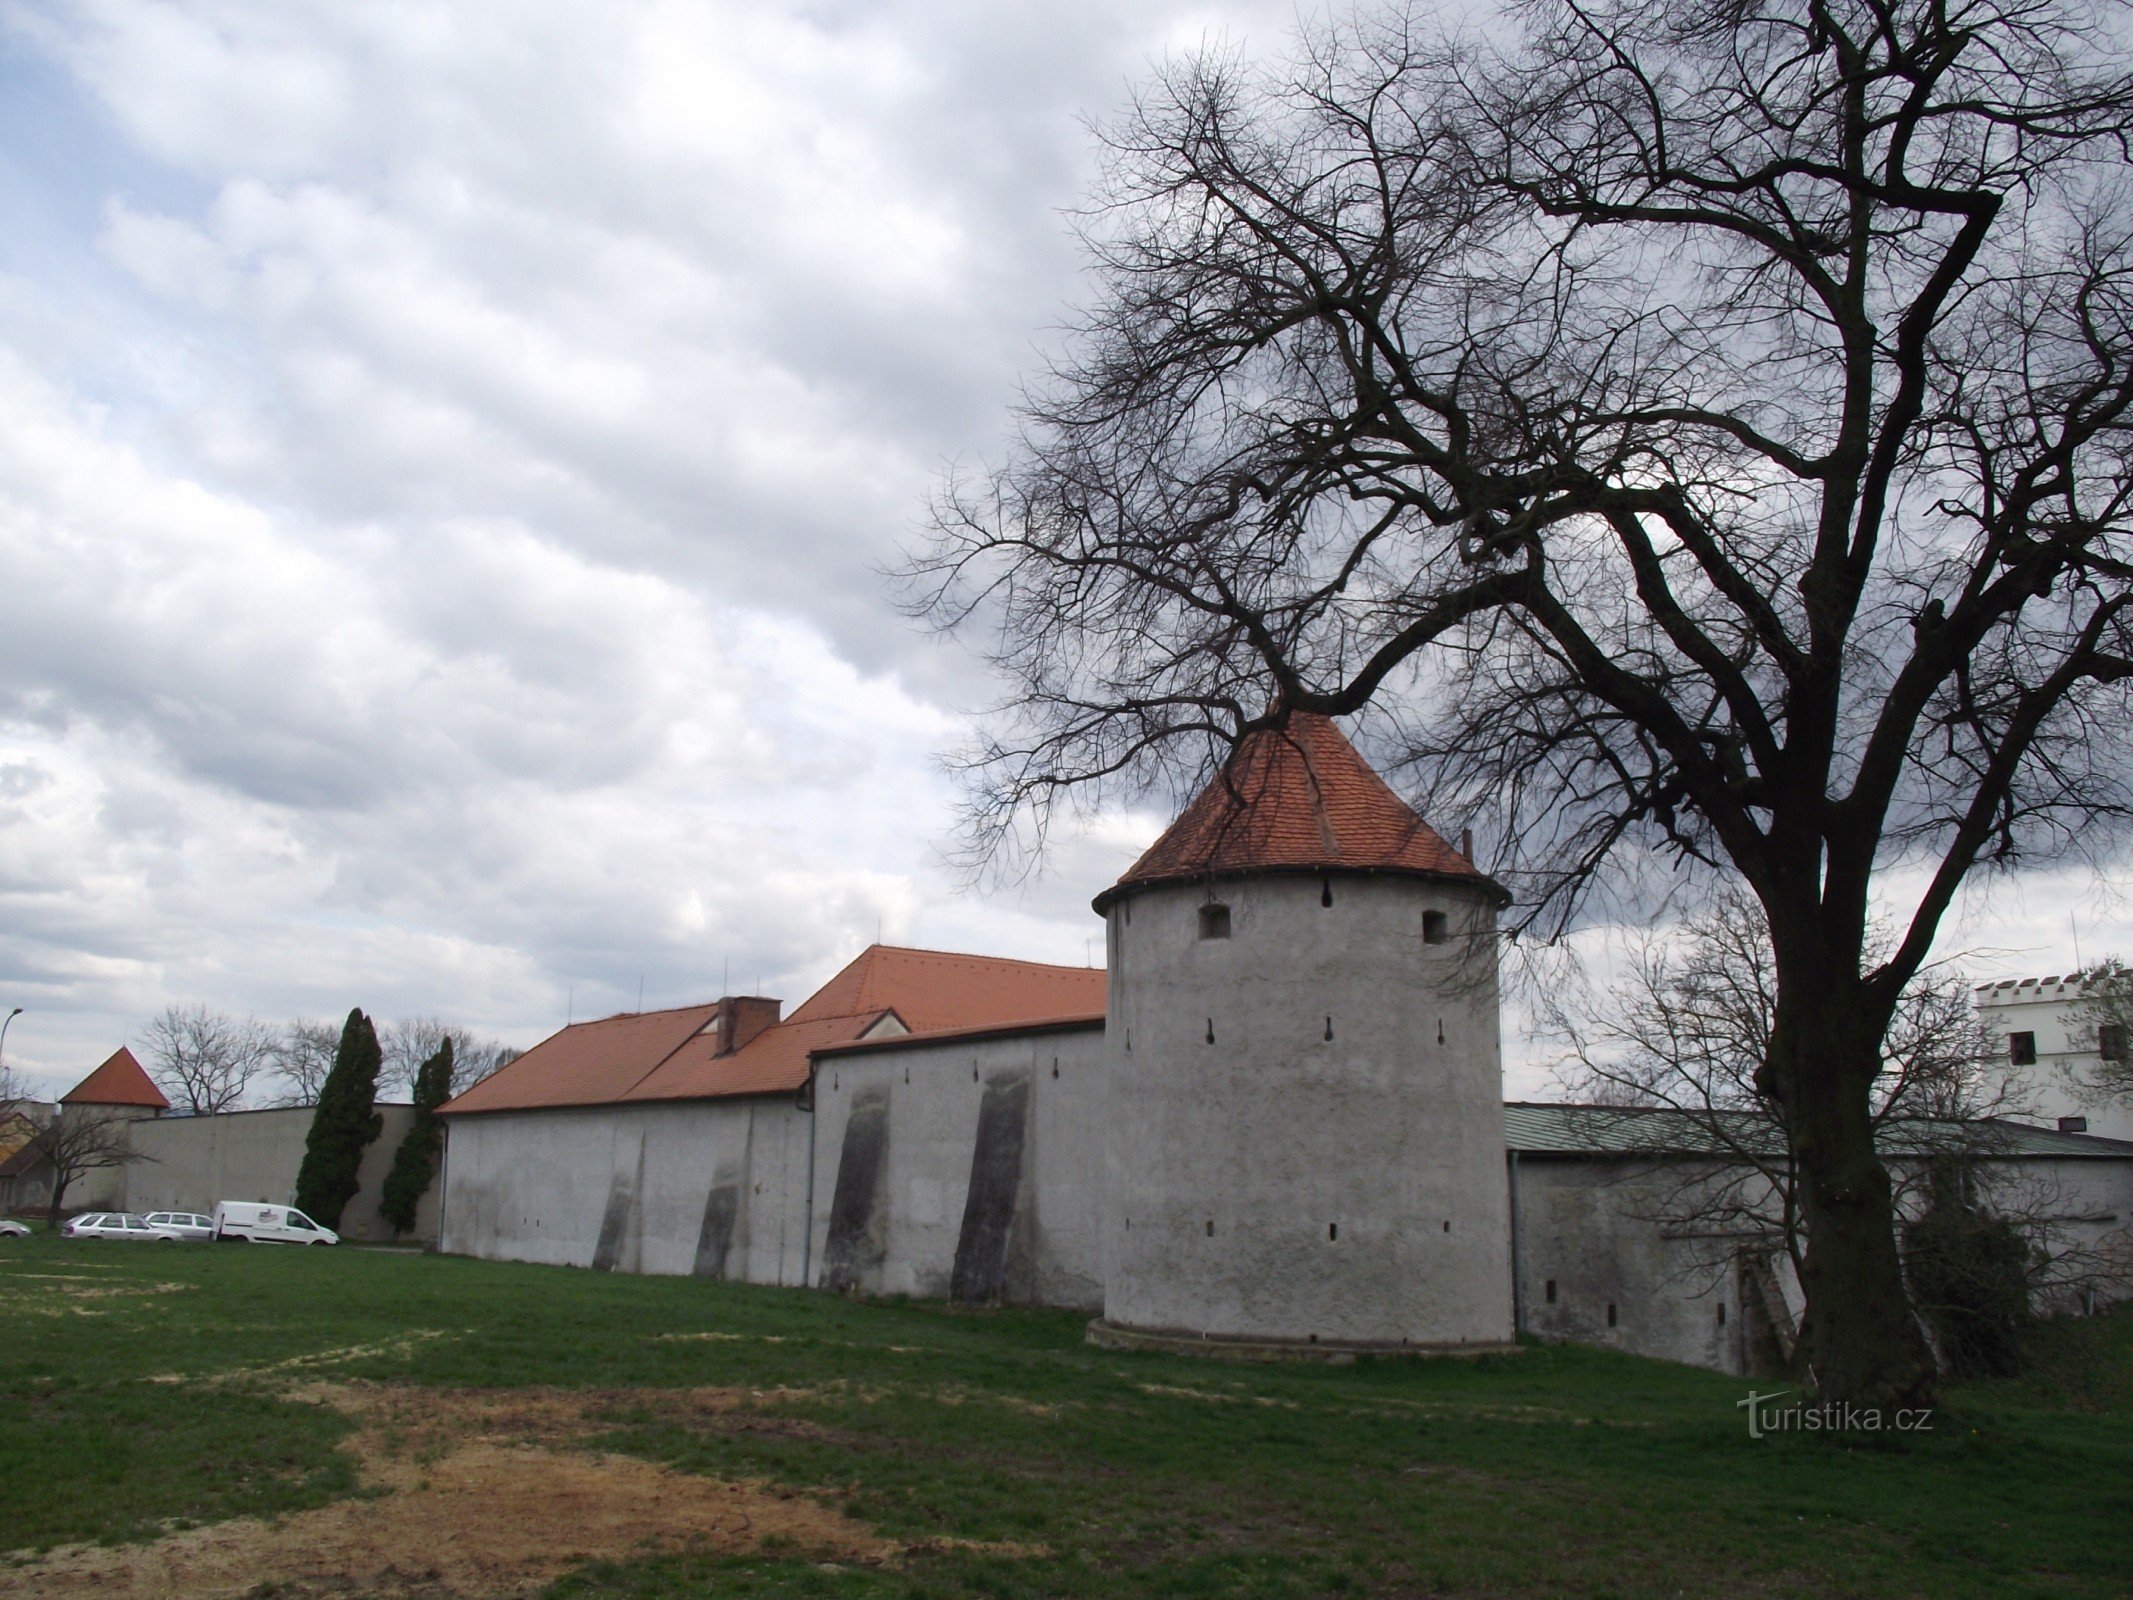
(264, 1224)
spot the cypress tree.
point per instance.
(415, 1162)
(343, 1126)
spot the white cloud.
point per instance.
(446, 456)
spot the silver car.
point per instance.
(11, 1229)
(113, 1225)
(182, 1225)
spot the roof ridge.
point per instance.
(972, 955)
(637, 1016)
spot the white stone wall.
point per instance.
(920, 1207)
(1609, 1234)
(1592, 1229)
(1272, 1182)
(2081, 1212)
(717, 1187)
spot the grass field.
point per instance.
(447, 1427)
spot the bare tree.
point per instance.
(411, 1041)
(408, 1043)
(1699, 431)
(68, 1144)
(205, 1060)
(2100, 1023)
(81, 1140)
(474, 1059)
(1676, 1043)
(302, 1056)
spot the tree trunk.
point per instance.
(1859, 1340)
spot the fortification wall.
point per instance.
(189, 1163)
(965, 1169)
(714, 1188)
(1598, 1266)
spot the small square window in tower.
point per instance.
(1436, 927)
(2022, 1049)
(1214, 922)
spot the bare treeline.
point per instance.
(207, 1061)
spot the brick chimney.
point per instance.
(741, 1017)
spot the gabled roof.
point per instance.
(930, 991)
(1296, 798)
(587, 1064)
(635, 1059)
(118, 1082)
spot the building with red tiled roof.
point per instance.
(680, 1141)
(740, 1046)
(117, 1091)
(120, 1081)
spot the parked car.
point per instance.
(11, 1229)
(265, 1224)
(182, 1225)
(111, 1225)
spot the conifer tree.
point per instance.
(343, 1126)
(415, 1162)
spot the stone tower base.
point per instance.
(1218, 1347)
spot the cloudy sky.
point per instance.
(446, 457)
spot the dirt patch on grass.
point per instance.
(1174, 1391)
(471, 1494)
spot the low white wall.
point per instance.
(711, 1187)
(1041, 1164)
(1607, 1233)
(1592, 1228)
(2080, 1211)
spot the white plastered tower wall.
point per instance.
(1329, 1167)
(2057, 1081)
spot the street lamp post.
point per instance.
(4, 1026)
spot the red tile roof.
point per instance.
(118, 1082)
(587, 1064)
(1296, 798)
(928, 990)
(935, 989)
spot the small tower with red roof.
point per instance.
(119, 1085)
(1306, 1139)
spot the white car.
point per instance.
(182, 1225)
(11, 1229)
(265, 1224)
(112, 1225)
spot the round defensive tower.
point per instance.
(1305, 1138)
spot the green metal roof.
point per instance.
(1535, 1128)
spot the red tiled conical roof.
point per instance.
(1296, 799)
(118, 1082)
